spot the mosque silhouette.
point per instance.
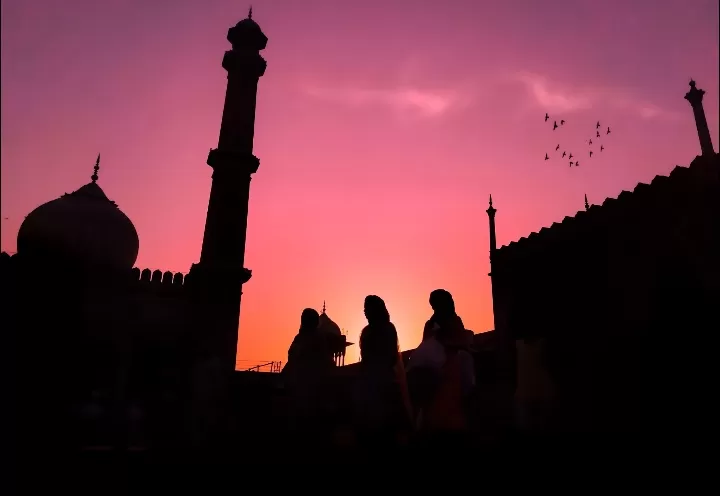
(587, 311)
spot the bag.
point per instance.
(429, 354)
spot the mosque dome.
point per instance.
(83, 227)
(327, 325)
(247, 34)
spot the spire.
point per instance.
(94, 177)
(250, 13)
(695, 97)
(323, 306)
(491, 216)
(587, 206)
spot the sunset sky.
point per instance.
(382, 126)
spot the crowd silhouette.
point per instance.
(387, 403)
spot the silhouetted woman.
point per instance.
(441, 389)
(381, 402)
(307, 377)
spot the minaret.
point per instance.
(491, 215)
(695, 97)
(94, 177)
(587, 205)
(219, 276)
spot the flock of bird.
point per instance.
(569, 155)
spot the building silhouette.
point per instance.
(89, 331)
(612, 298)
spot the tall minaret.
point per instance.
(695, 97)
(491, 215)
(220, 274)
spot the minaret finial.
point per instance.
(250, 13)
(587, 206)
(323, 306)
(94, 177)
(491, 200)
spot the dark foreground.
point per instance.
(447, 460)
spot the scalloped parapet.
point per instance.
(157, 280)
(703, 168)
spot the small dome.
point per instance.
(328, 326)
(83, 227)
(247, 34)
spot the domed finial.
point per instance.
(250, 13)
(94, 177)
(587, 206)
(692, 83)
(323, 306)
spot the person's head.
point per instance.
(309, 320)
(375, 310)
(442, 302)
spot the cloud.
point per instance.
(429, 103)
(554, 97)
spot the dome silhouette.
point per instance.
(327, 325)
(82, 227)
(247, 34)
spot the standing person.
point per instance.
(381, 402)
(441, 386)
(307, 375)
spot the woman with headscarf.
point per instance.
(307, 376)
(381, 401)
(441, 384)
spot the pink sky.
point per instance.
(382, 126)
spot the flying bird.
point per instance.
(577, 164)
(555, 126)
(557, 148)
(570, 157)
(563, 155)
(590, 153)
(562, 122)
(608, 131)
(546, 117)
(602, 147)
(546, 157)
(571, 164)
(597, 134)
(590, 141)
(597, 126)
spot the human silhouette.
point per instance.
(307, 377)
(381, 404)
(441, 372)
